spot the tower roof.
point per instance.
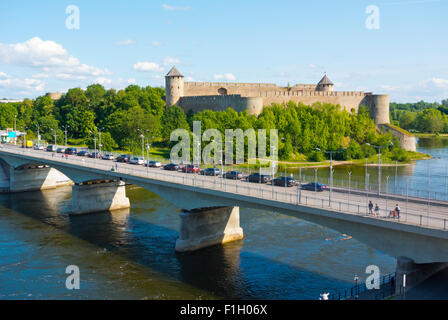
(325, 80)
(174, 73)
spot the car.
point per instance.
(124, 158)
(285, 181)
(83, 153)
(60, 150)
(154, 164)
(258, 178)
(96, 155)
(191, 169)
(70, 151)
(38, 147)
(108, 157)
(314, 186)
(137, 161)
(51, 148)
(171, 167)
(234, 175)
(211, 172)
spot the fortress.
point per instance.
(252, 97)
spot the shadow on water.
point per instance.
(226, 271)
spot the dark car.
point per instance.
(171, 167)
(234, 175)
(258, 178)
(51, 148)
(211, 172)
(95, 155)
(83, 153)
(60, 150)
(70, 151)
(314, 186)
(191, 169)
(124, 158)
(285, 182)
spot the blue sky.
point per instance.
(284, 41)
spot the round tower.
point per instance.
(325, 84)
(174, 87)
(379, 108)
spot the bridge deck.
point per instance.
(414, 211)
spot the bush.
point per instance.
(316, 156)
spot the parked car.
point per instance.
(124, 158)
(70, 151)
(285, 182)
(234, 175)
(108, 157)
(211, 172)
(137, 161)
(38, 147)
(171, 167)
(51, 148)
(60, 150)
(83, 153)
(258, 178)
(314, 186)
(154, 164)
(96, 155)
(191, 169)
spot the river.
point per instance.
(130, 254)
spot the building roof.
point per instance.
(174, 73)
(325, 80)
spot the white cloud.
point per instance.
(430, 90)
(125, 42)
(157, 44)
(26, 84)
(174, 8)
(227, 77)
(48, 56)
(170, 61)
(147, 66)
(4, 75)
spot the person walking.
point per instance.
(397, 210)
(377, 210)
(370, 207)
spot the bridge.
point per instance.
(210, 215)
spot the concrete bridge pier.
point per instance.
(415, 273)
(205, 227)
(35, 177)
(98, 196)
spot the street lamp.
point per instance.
(38, 133)
(55, 135)
(379, 162)
(330, 196)
(65, 131)
(99, 141)
(94, 143)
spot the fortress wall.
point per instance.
(254, 105)
(407, 140)
(348, 102)
(379, 107)
(243, 89)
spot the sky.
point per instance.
(399, 47)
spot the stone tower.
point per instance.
(174, 87)
(325, 84)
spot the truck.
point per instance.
(27, 144)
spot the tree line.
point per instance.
(123, 116)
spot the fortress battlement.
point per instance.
(252, 97)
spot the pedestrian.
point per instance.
(397, 210)
(370, 207)
(66, 156)
(377, 210)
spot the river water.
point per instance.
(129, 254)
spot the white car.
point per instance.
(137, 160)
(154, 164)
(38, 147)
(108, 157)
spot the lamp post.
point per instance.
(379, 162)
(349, 186)
(365, 181)
(356, 286)
(65, 131)
(55, 135)
(38, 133)
(330, 196)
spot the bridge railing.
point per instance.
(432, 217)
